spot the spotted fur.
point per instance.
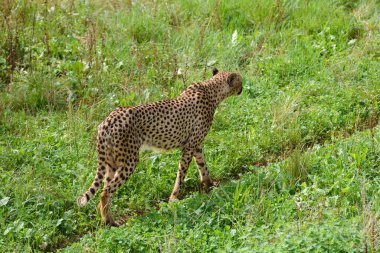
(181, 123)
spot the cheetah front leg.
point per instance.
(202, 168)
(187, 155)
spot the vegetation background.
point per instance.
(297, 154)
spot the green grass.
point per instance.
(334, 209)
(311, 73)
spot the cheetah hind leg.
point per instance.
(104, 209)
(105, 200)
(203, 170)
(111, 186)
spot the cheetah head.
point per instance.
(231, 82)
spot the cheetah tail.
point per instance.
(100, 171)
(82, 200)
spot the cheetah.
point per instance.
(181, 123)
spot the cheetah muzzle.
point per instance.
(181, 123)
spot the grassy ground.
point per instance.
(311, 80)
(334, 209)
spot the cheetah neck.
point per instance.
(215, 92)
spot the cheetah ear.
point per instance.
(215, 71)
(231, 79)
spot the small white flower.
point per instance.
(351, 42)
(105, 67)
(119, 64)
(179, 72)
(95, 90)
(86, 66)
(234, 38)
(299, 202)
(211, 63)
